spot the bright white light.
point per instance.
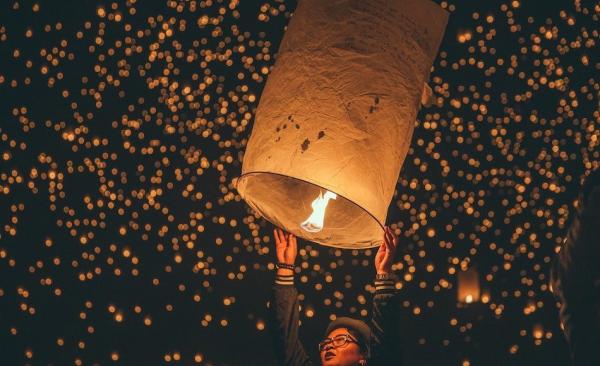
(469, 299)
(314, 223)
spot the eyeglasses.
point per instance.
(337, 341)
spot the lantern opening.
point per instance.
(286, 204)
(314, 223)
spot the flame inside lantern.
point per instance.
(314, 223)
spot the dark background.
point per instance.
(488, 184)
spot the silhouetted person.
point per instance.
(348, 341)
(576, 277)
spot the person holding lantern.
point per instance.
(575, 276)
(347, 341)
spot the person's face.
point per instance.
(347, 355)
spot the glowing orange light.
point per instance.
(314, 223)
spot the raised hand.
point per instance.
(385, 255)
(286, 248)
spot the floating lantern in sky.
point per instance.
(468, 286)
(337, 115)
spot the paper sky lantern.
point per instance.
(336, 117)
(468, 286)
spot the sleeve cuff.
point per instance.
(284, 280)
(385, 283)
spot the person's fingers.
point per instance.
(388, 237)
(388, 245)
(287, 240)
(390, 250)
(377, 259)
(386, 257)
(394, 240)
(381, 252)
(281, 237)
(387, 231)
(279, 246)
(282, 243)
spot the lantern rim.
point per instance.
(237, 179)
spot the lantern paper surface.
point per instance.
(337, 114)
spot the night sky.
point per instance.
(123, 241)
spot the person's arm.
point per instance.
(385, 341)
(283, 308)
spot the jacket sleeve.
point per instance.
(385, 337)
(575, 281)
(284, 322)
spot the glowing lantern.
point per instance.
(468, 286)
(538, 331)
(337, 116)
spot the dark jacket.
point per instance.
(284, 316)
(575, 277)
